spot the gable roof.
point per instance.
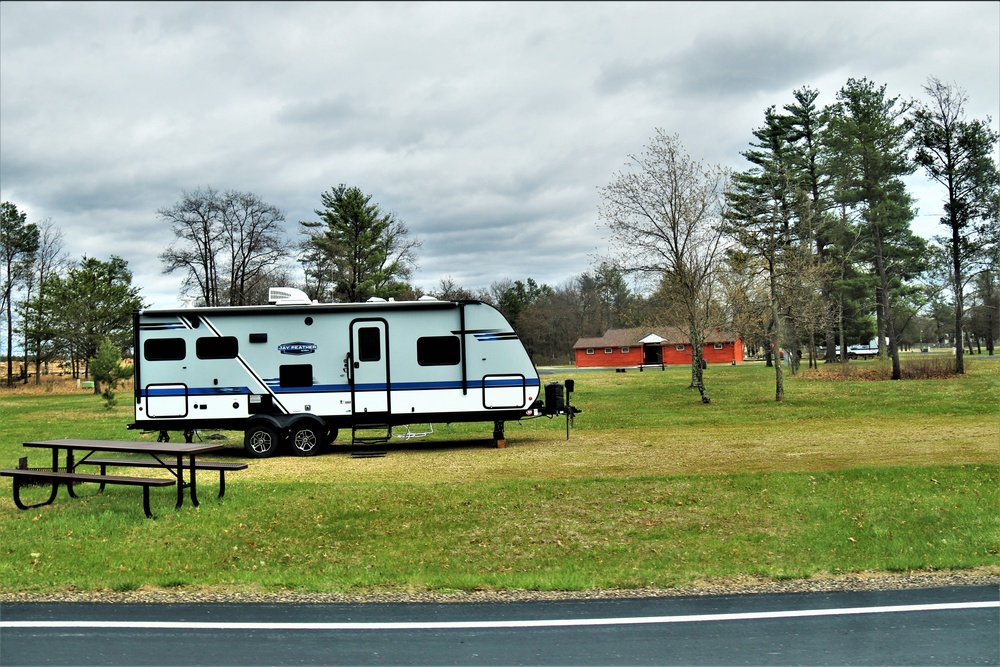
(636, 336)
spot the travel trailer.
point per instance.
(293, 373)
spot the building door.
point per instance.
(369, 366)
(652, 353)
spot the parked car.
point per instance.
(861, 352)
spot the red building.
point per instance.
(649, 347)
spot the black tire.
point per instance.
(304, 439)
(331, 435)
(261, 441)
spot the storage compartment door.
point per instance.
(504, 392)
(166, 401)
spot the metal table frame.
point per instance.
(160, 451)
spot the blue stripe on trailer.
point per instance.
(333, 388)
(194, 391)
(161, 326)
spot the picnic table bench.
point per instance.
(220, 466)
(176, 458)
(56, 477)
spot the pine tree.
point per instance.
(958, 154)
(868, 142)
(356, 251)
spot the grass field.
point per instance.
(654, 489)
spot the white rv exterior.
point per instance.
(295, 373)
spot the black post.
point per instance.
(569, 409)
(498, 435)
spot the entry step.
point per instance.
(371, 434)
(367, 453)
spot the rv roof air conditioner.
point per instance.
(287, 296)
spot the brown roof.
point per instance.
(670, 336)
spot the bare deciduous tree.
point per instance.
(228, 244)
(663, 212)
(50, 259)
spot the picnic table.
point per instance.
(168, 456)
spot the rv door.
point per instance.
(369, 361)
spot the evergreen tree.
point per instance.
(759, 218)
(18, 242)
(94, 301)
(868, 142)
(958, 154)
(806, 125)
(356, 251)
(106, 367)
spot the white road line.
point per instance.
(467, 625)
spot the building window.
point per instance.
(718, 346)
(624, 350)
(590, 350)
(608, 350)
(679, 348)
(438, 351)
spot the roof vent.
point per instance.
(287, 296)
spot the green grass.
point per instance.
(652, 490)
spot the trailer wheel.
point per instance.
(305, 439)
(331, 435)
(261, 441)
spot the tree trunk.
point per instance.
(697, 337)
(879, 319)
(886, 327)
(776, 328)
(829, 326)
(956, 259)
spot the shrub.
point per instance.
(913, 368)
(107, 368)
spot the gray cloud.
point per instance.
(487, 127)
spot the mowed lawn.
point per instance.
(653, 490)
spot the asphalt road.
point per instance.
(937, 626)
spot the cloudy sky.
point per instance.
(486, 127)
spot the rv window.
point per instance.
(438, 351)
(225, 347)
(296, 375)
(164, 349)
(369, 344)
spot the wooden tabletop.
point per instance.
(175, 448)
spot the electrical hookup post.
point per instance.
(569, 409)
(557, 401)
